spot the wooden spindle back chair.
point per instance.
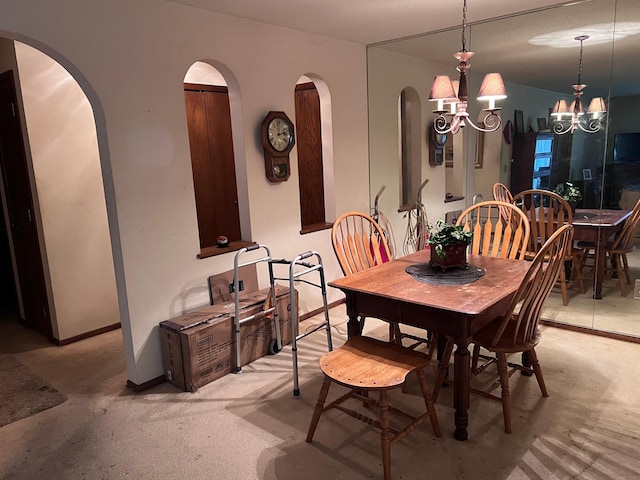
(499, 229)
(547, 211)
(358, 242)
(623, 243)
(517, 330)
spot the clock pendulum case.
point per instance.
(277, 141)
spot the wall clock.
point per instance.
(436, 146)
(277, 141)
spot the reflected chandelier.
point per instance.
(444, 92)
(569, 118)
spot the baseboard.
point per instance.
(591, 331)
(144, 386)
(315, 312)
(90, 334)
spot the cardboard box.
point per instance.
(199, 347)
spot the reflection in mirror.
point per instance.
(538, 57)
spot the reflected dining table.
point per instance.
(388, 292)
(597, 226)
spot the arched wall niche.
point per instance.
(326, 125)
(213, 72)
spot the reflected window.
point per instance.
(542, 162)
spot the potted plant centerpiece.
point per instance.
(570, 193)
(449, 245)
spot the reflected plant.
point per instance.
(568, 191)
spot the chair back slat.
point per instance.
(493, 236)
(534, 289)
(358, 242)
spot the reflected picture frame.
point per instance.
(586, 174)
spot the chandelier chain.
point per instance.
(580, 64)
(464, 26)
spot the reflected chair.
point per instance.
(617, 249)
(547, 211)
(364, 365)
(499, 229)
(359, 244)
(501, 193)
(517, 330)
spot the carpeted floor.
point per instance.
(23, 393)
(249, 426)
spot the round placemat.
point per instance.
(452, 276)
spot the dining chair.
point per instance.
(502, 194)
(547, 211)
(359, 244)
(517, 330)
(364, 365)
(616, 250)
(500, 229)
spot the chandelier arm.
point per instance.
(491, 123)
(559, 128)
(590, 126)
(442, 126)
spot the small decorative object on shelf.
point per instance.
(222, 241)
(449, 245)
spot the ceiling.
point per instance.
(502, 44)
(366, 21)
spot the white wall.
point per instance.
(66, 166)
(131, 59)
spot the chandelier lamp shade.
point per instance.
(451, 96)
(567, 118)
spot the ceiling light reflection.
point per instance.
(598, 33)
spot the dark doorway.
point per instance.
(22, 225)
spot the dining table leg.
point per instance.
(600, 269)
(461, 392)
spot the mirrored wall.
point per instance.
(539, 58)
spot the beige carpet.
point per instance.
(22, 392)
(249, 426)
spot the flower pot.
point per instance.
(452, 256)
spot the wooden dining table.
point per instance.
(597, 226)
(388, 292)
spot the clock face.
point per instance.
(279, 134)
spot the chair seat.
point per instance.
(365, 364)
(370, 363)
(485, 336)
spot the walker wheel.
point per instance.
(273, 347)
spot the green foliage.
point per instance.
(443, 234)
(568, 191)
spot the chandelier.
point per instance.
(569, 118)
(452, 113)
